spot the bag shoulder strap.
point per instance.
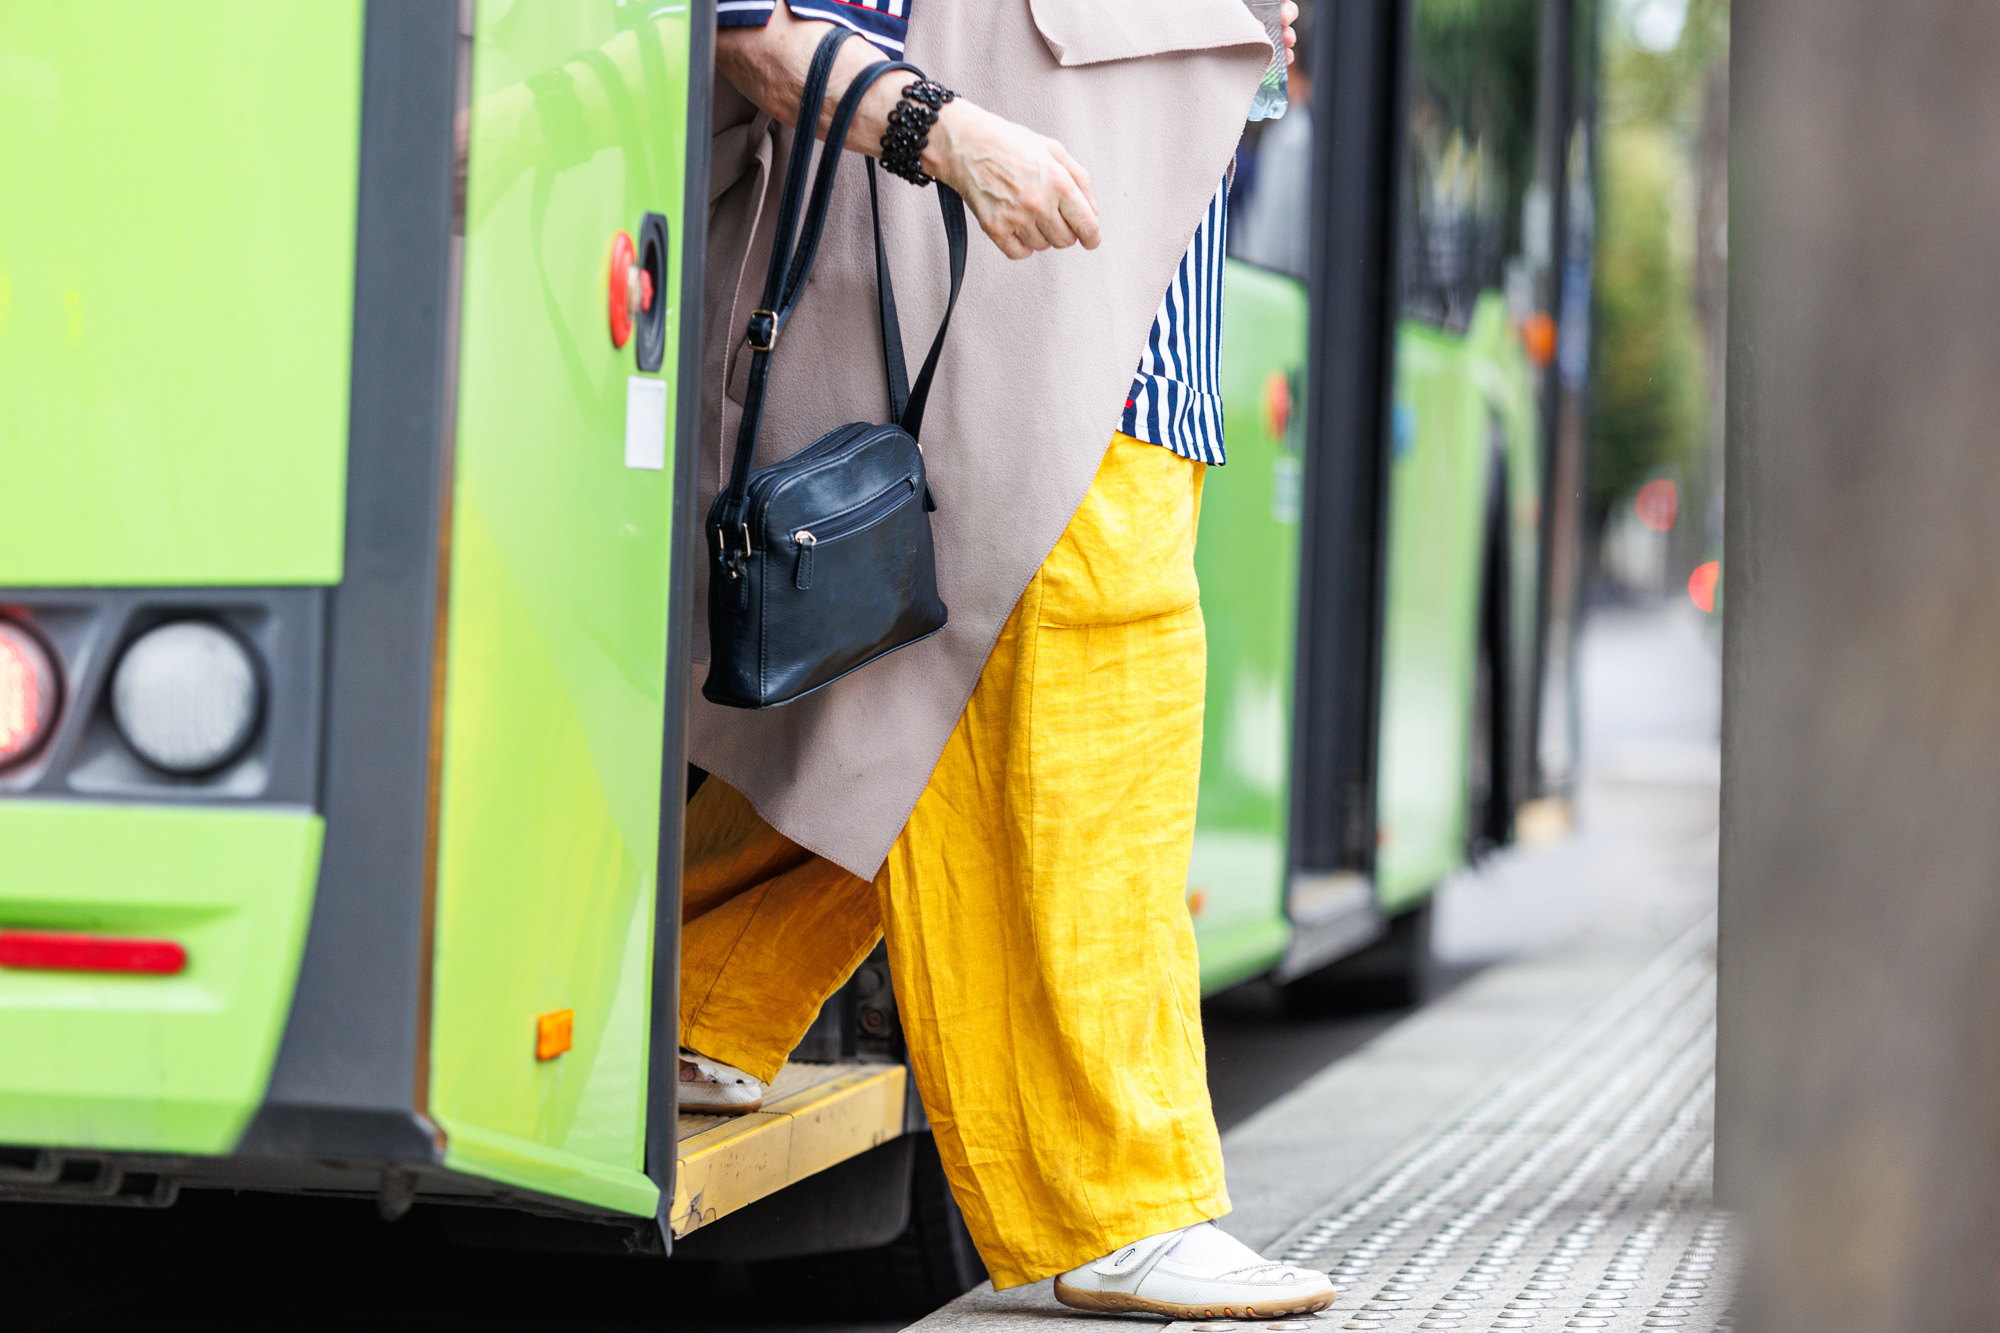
(906, 402)
(791, 266)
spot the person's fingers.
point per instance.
(1054, 228)
(996, 231)
(1076, 171)
(1080, 215)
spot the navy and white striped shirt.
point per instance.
(1176, 396)
(883, 22)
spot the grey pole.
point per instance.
(1859, 1115)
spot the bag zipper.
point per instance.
(863, 515)
(766, 479)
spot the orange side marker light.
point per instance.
(1278, 403)
(553, 1032)
(1701, 585)
(1538, 336)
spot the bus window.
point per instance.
(1468, 155)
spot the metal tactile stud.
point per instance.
(1214, 1328)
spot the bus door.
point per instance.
(341, 348)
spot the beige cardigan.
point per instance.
(1150, 96)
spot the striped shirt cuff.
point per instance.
(883, 22)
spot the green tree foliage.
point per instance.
(1649, 389)
(1650, 386)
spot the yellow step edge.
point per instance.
(817, 1115)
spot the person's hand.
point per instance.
(1026, 190)
(1291, 13)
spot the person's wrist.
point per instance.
(944, 154)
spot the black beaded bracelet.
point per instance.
(909, 131)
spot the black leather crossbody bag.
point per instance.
(823, 563)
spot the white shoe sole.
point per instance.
(731, 1108)
(1119, 1302)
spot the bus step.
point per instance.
(814, 1116)
(30, 1175)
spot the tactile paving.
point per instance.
(1574, 1194)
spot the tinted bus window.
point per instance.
(1468, 154)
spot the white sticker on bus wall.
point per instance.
(646, 423)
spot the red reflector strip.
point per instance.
(61, 951)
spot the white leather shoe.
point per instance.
(1199, 1272)
(710, 1087)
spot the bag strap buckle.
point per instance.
(763, 335)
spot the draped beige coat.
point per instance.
(1150, 96)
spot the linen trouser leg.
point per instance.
(768, 931)
(1043, 958)
(1039, 937)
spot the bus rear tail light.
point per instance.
(187, 697)
(65, 951)
(29, 692)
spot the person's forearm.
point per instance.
(1024, 188)
(768, 65)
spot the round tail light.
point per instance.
(186, 697)
(29, 692)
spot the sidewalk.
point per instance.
(1532, 1151)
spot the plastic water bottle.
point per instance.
(1270, 102)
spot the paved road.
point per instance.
(1648, 679)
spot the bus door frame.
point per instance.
(663, 1066)
(1361, 58)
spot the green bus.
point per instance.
(1388, 568)
(347, 356)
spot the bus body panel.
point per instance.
(1475, 230)
(556, 662)
(173, 1064)
(1459, 400)
(176, 304)
(1440, 434)
(1247, 558)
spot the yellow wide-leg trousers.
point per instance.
(1039, 940)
